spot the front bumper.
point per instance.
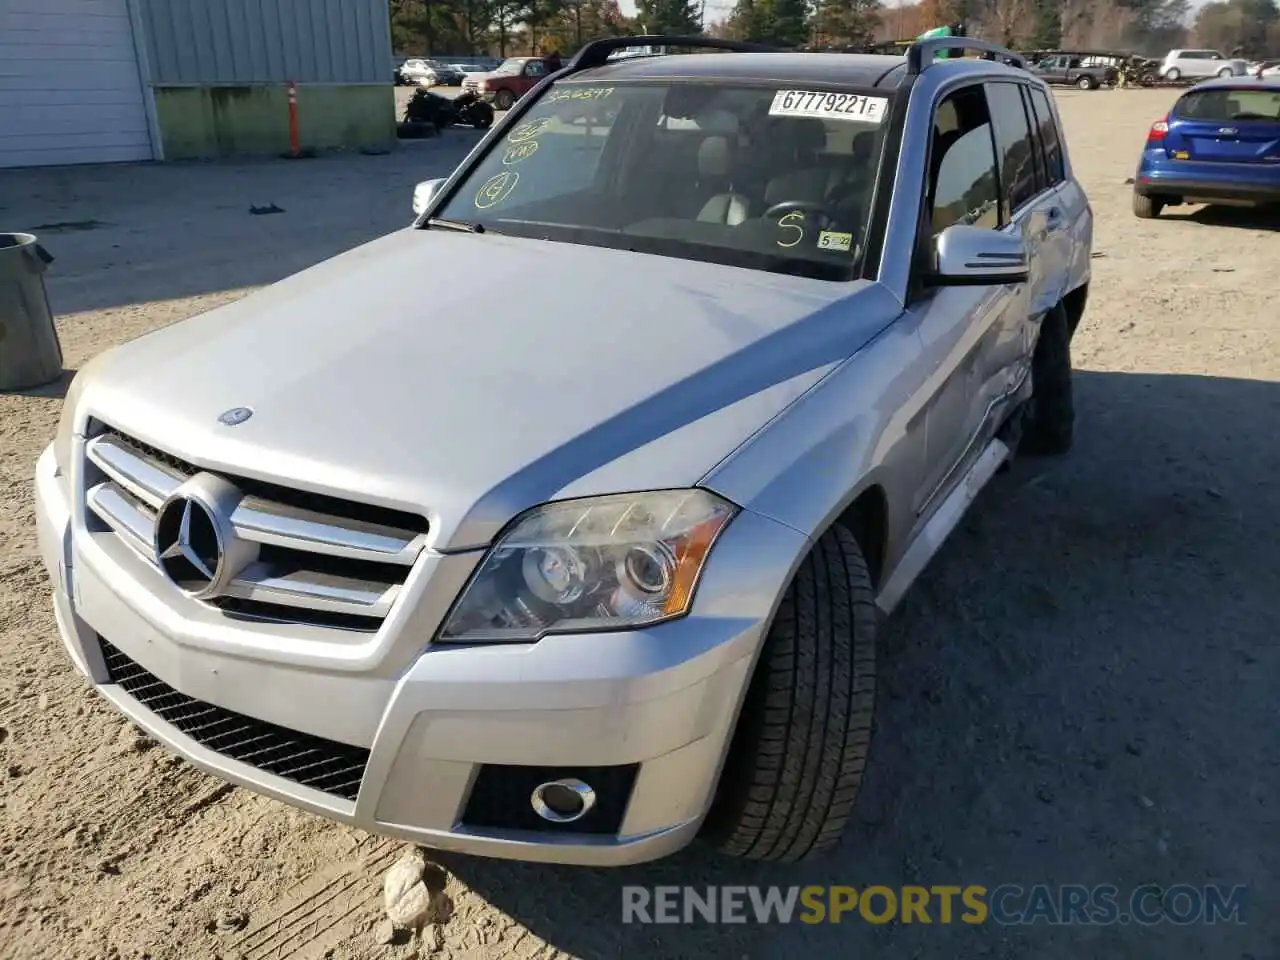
(435, 728)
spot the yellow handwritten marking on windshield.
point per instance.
(496, 189)
(529, 129)
(521, 151)
(791, 221)
(591, 93)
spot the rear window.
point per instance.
(1222, 104)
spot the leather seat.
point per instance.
(805, 178)
(715, 162)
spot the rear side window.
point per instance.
(1222, 104)
(1014, 145)
(1054, 166)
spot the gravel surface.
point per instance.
(1081, 689)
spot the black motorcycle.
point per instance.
(426, 110)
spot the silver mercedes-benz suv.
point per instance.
(599, 569)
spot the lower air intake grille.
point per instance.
(335, 768)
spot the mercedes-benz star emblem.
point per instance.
(235, 416)
(189, 548)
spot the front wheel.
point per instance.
(504, 100)
(1173, 75)
(793, 770)
(1145, 207)
(1226, 72)
(1086, 82)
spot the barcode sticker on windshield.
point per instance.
(828, 106)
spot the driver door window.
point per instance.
(964, 187)
(535, 68)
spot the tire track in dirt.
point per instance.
(309, 919)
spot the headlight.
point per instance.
(482, 85)
(604, 563)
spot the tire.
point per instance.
(481, 116)
(504, 100)
(1049, 423)
(1146, 208)
(1174, 75)
(793, 770)
(1226, 72)
(1086, 82)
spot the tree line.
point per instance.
(1246, 28)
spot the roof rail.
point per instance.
(596, 53)
(921, 54)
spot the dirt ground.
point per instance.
(1081, 689)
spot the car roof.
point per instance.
(854, 69)
(1244, 83)
(844, 69)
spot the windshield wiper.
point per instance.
(460, 225)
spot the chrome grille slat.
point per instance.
(283, 526)
(317, 591)
(147, 479)
(124, 515)
(314, 563)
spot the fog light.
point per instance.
(563, 801)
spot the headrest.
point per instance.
(807, 135)
(718, 122)
(713, 157)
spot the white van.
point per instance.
(1198, 64)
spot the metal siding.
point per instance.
(267, 41)
(70, 91)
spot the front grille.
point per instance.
(501, 798)
(314, 762)
(319, 560)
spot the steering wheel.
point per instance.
(809, 208)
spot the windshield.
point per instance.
(761, 177)
(1228, 103)
(510, 66)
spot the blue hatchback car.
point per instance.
(1219, 144)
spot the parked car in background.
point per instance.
(514, 77)
(430, 73)
(1200, 64)
(448, 74)
(1266, 68)
(1083, 69)
(1220, 143)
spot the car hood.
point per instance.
(469, 377)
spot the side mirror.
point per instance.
(978, 257)
(424, 193)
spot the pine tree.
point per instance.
(783, 23)
(843, 23)
(678, 17)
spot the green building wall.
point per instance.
(200, 122)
